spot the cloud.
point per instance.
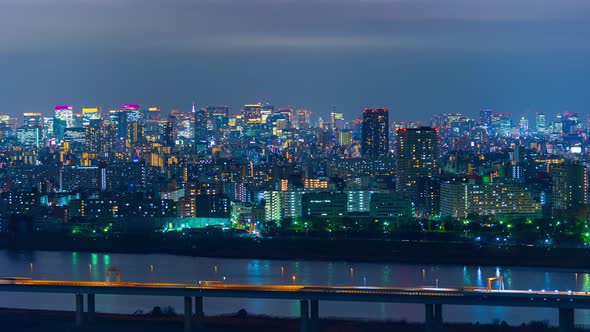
(238, 24)
(348, 42)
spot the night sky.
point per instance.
(415, 57)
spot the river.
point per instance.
(151, 268)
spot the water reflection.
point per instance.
(507, 275)
(106, 259)
(93, 266)
(386, 279)
(586, 284)
(480, 282)
(466, 277)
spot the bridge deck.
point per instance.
(458, 296)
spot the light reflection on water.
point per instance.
(149, 268)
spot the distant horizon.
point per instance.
(325, 114)
(413, 57)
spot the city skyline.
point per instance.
(396, 117)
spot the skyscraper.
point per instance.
(485, 118)
(252, 113)
(89, 114)
(523, 124)
(65, 113)
(31, 119)
(168, 132)
(375, 141)
(540, 123)
(200, 130)
(417, 154)
(93, 136)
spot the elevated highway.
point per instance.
(309, 296)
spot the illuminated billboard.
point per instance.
(130, 106)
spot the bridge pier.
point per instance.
(566, 319)
(314, 320)
(304, 316)
(188, 313)
(434, 322)
(199, 313)
(429, 323)
(438, 317)
(79, 310)
(91, 308)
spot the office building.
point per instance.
(540, 123)
(65, 113)
(375, 140)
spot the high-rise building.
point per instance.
(540, 123)
(252, 113)
(337, 120)
(168, 132)
(153, 113)
(217, 117)
(29, 136)
(344, 138)
(200, 131)
(485, 117)
(265, 112)
(523, 125)
(32, 119)
(273, 208)
(59, 128)
(78, 120)
(375, 141)
(7, 126)
(302, 119)
(93, 136)
(153, 126)
(292, 204)
(570, 123)
(570, 186)
(65, 113)
(89, 113)
(417, 155)
(183, 126)
(135, 133)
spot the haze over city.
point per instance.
(413, 57)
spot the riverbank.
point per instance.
(353, 250)
(63, 321)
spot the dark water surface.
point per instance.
(151, 268)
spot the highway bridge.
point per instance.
(309, 297)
